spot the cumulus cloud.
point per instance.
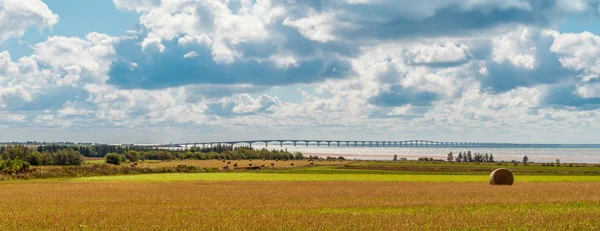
(579, 52)
(136, 5)
(243, 104)
(16, 16)
(55, 73)
(370, 67)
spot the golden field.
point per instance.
(67, 204)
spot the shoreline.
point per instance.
(507, 158)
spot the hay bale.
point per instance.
(502, 176)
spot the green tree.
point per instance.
(113, 158)
(67, 156)
(469, 157)
(395, 158)
(13, 166)
(132, 155)
(525, 160)
(450, 157)
(491, 157)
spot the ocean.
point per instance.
(572, 154)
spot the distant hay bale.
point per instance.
(502, 176)
(272, 164)
(235, 165)
(250, 164)
(291, 164)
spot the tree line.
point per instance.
(221, 152)
(99, 150)
(21, 157)
(468, 157)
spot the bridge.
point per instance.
(346, 143)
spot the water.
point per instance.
(535, 154)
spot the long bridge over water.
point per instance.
(347, 143)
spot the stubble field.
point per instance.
(284, 201)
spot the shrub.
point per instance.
(132, 155)
(164, 155)
(113, 158)
(67, 156)
(14, 166)
(35, 158)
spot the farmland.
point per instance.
(357, 195)
(259, 205)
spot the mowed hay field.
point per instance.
(111, 203)
(219, 163)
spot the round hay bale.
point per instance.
(502, 176)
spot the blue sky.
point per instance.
(125, 71)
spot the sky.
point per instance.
(159, 71)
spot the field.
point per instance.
(220, 163)
(348, 196)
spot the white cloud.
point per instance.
(190, 55)
(136, 5)
(590, 90)
(403, 110)
(316, 27)
(438, 53)
(57, 70)
(396, 82)
(16, 16)
(152, 43)
(580, 52)
(516, 47)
